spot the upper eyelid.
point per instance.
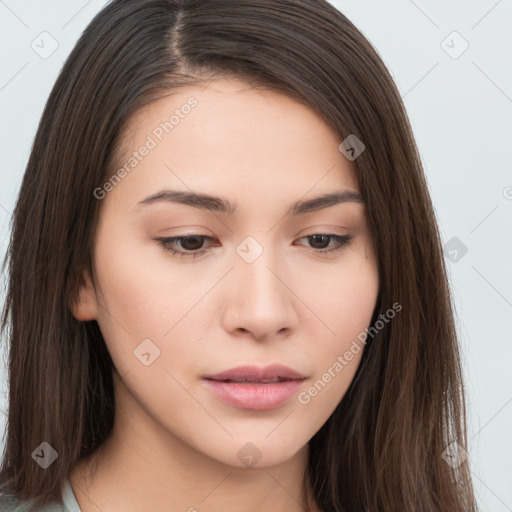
(208, 237)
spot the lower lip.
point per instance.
(256, 397)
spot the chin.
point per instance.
(257, 451)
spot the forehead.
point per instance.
(230, 132)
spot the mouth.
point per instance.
(254, 388)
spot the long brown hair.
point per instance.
(383, 448)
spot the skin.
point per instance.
(175, 444)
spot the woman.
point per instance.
(226, 282)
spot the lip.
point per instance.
(244, 387)
(255, 373)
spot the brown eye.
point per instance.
(322, 240)
(191, 245)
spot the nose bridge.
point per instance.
(261, 302)
(256, 268)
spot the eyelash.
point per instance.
(167, 243)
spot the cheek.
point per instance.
(139, 291)
(345, 305)
(342, 296)
(145, 297)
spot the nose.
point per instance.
(260, 300)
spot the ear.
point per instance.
(85, 306)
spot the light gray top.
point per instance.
(12, 504)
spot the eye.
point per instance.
(193, 245)
(322, 239)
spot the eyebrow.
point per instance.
(220, 205)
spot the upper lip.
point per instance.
(253, 373)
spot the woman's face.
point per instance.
(249, 286)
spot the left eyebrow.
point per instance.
(220, 205)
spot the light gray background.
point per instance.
(461, 111)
